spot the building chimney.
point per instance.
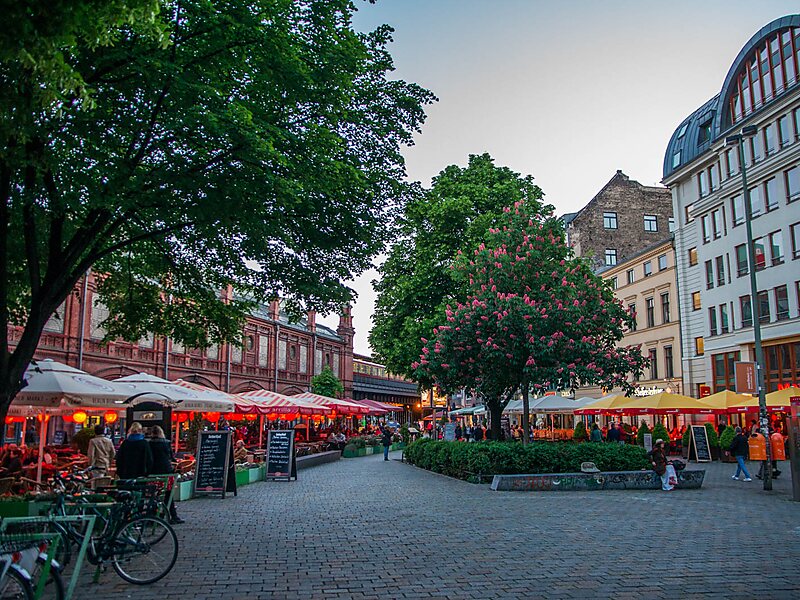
(274, 310)
(311, 318)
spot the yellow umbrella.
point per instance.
(666, 403)
(776, 401)
(725, 399)
(604, 405)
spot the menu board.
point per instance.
(281, 462)
(699, 449)
(213, 460)
(450, 432)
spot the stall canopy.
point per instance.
(469, 410)
(724, 400)
(341, 407)
(209, 394)
(268, 402)
(379, 405)
(549, 404)
(778, 401)
(604, 405)
(187, 399)
(665, 403)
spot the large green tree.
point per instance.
(416, 281)
(534, 316)
(326, 383)
(182, 147)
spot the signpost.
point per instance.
(745, 377)
(281, 461)
(213, 463)
(699, 450)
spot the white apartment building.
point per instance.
(761, 89)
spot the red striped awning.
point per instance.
(268, 402)
(342, 407)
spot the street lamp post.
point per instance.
(738, 140)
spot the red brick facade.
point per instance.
(277, 355)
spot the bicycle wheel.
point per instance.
(136, 558)
(15, 587)
(53, 587)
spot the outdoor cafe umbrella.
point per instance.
(340, 406)
(606, 404)
(725, 399)
(188, 398)
(778, 401)
(268, 402)
(665, 403)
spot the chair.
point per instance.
(6, 485)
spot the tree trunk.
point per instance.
(495, 413)
(526, 421)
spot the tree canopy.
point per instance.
(183, 148)
(533, 314)
(416, 281)
(326, 383)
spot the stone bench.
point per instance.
(312, 460)
(580, 482)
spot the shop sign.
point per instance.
(647, 391)
(745, 377)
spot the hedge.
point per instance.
(473, 461)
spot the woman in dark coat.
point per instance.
(658, 458)
(134, 458)
(162, 464)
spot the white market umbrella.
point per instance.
(188, 399)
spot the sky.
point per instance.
(567, 91)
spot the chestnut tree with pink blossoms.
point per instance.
(535, 317)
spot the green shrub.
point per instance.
(660, 433)
(405, 434)
(474, 461)
(686, 435)
(580, 434)
(726, 439)
(643, 428)
(711, 434)
(357, 442)
(82, 439)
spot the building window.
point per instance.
(759, 248)
(756, 202)
(696, 303)
(723, 318)
(653, 363)
(732, 161)
(741, 260)
(709, 275)
(776, 246)
(794, 231)
(771, 194)
(763, 307)
(713, 176)
(698, 346)
(756, 151)
(611, 257)
(720, 270)
(702, 184)
(662, 262)
(236, 352)
(737, 209)
(55, 324)
(770, 139)
(692, 257)
(613, 283)
(782, 368)
(671, 224)
(665, 307)
(687, 213)
(669, 368)
(282, 352)
(792, 177)
(610, 220)
(632, 313)
(723, 365)
(746, 309)
(631, 274)
(303, 359)
(676, 159)
(648, 268)
(263, 350)
(706, 225)
(683, 129)
(785, 133)
(651, 312)
(781, 303)
(712, 321)
(650, 223)
(212, 352)
(716, 222)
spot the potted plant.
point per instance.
(580, 434)
(685, 442)
(713, 441)
(643, 428)
(660, 433)
(725, 441)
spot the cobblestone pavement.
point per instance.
(366, 529)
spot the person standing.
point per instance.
(134, 457)
(738, 448)
(101, 452)
(161, 450)
(658, 458)
(613, 434)
(387, 441)
(478, 433)
(596, 435)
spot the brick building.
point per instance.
(277, 355)
(372, 380)
(623, 218)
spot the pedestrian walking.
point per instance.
(738, 448)
(658, 458)
(101, 452)
(161, 450)
(134, 457)
(387, 441)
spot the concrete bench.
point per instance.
(312, 460)
(580, 482)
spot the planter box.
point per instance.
(22, 508)
(361, 452)
(183, 490)
(727, 457)
(242, 478)
(350, 453)
(715, 454)
(256, 474)
(398, 446)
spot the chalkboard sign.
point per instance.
(281, 463)
(60, 437)
(449, 432)
(699, 449)
(648, 442)
(505, 425)
(213, 460)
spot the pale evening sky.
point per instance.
(568, 91)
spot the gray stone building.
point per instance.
(623, 218)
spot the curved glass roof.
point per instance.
(766, 67)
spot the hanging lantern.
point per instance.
(67, 418)
(211, 416)
(290, 416)
(182, 417)
(110, 417)
(9, 420)
(251, 416)
(79, 417)
(272, 417)
(333, 414)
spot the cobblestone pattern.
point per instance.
(611, 480)
(367, 529)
